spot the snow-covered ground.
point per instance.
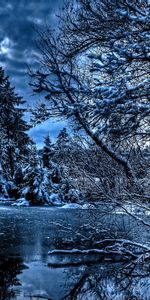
(21, 202)
(72, 206)
(55, 201)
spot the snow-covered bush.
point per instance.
(74, 195)
(36, 187)
(21, 202)
(55, 199)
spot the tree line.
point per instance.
(94, 71)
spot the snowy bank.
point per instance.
(21, 202)
(72, 206)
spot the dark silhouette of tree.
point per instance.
(47, 152)
(9, 269)
(14, 139)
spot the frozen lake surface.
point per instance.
(28, 234)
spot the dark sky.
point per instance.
(18, 48)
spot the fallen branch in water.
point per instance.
(107, 249)
(122, 242)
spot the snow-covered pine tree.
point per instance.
(47, 152)
(63, 138)
(14, 139)
(36, 184)
(62, 146)
(3, 186)
(66, 153)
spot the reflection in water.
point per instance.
(112, 282)
(104, 281)
(9, 269)
(26, 236)
(49, 283)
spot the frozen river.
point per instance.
(26, 272)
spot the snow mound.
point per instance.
(3, 199)
(21, 202)
(72, 206)
(54, 199)
(88, 206)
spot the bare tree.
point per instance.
(95, 71)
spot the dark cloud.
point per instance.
(17, 39)
(17, 34)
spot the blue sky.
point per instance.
(18, 47)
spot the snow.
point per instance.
(76, 251)
(3, 199)
(74, 256)
(88, 206)
(72, 206)
(55, 199)
(21, 202)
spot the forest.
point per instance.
(74, 169)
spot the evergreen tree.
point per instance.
(14, 139)
(3, 185)
(62, 147)
(48, 152)
(35, 180)
(63, 138)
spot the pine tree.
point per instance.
(36, 185)
(63, 138)
(62, 147)
(14, 139)
(3, 185)
(48, 152)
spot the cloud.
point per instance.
(17, 34)
(5, 46)
(18, 47)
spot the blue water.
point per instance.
(26, 236)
